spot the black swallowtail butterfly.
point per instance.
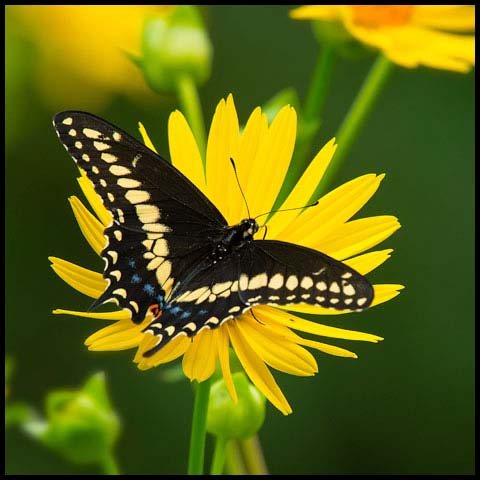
(171, 253)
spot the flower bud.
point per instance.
(80, 424)
(174, 46)
(241, 420)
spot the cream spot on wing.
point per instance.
(243, 282)
(110, 196)
(148, 244)
(113, 255)
(190, 296)
(348, 301)
(212, 298)
(147, 213)
(137, 196)
(349, 290)
(117, 274)
(68, 121)
(108, 157)
(119, 171)
(116, 136)
(334, 287)
(291, 297)
(306, 283)
(121, 292)
(274, 297)
(203, 297)
(334, 300)
(255, 299)
(156, 227)
(100, 146)
(90, 133)
(190, 326)
(276, 281)
(213, 321)
(169, 330)
(118, 235)
(258, 281)
(95, 170)
(127, 182)
(85, 157)
(72, 132)
(148, 256)
(234, 309)
(78, 145)
(155, 263)
(163, 272)
(221, 287)
(321, 286)
(160, 248)
(361, 301)
(292, 282)
(305, 296)
(121, 217)
(134, 305)
(320, 299)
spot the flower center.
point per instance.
(375, 16)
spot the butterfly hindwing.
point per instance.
(281, 273)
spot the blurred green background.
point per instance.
(405, 406)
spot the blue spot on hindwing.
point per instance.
(147, 288)
(136, 278)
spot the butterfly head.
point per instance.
(249, 227)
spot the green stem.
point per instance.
(233, 460)
(109, 465)
(199, 429)
(190, 103)
(219, 453)
(253, 456)
(322, 74)
(355, 119)
(310, 119)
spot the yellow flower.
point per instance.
(409, 35)
(262, 154)
(83, 49)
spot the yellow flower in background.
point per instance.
(436, 36)
(81, 50)
(262, 153)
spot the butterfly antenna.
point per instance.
(287, 209)
(239, 186)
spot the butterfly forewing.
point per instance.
(157, 214)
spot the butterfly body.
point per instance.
(171, 254)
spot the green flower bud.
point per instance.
(80, 424)
(174, 46)
(241, 420)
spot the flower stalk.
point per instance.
(199, 429)
(355, 119)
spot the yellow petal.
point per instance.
(224, 357)
(367, 262)
(357, 236)
(333, 209)
(254, 133)
(303, 190)
(171, 351)
(223, 141)
(85, 281)
(119, 315)
(384, 293)
(200, 359)
(271, 162)
(445, 17)
(184, 152)
(91, 228)
(315, 12)
(279, 352)
(94, 200)
(146, 139)
(292, 321)
(329, 349)
(256, 369)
